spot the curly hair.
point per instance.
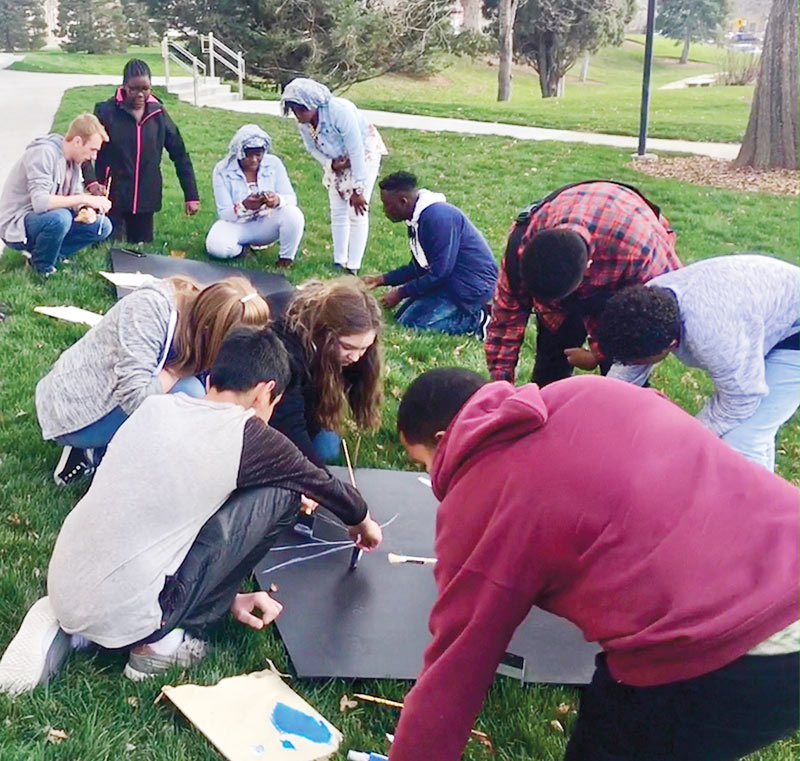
(639, 322)
(553, 263)
(320, 314)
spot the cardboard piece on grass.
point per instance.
(205, 273)
(256, 716)
(372, 622)
(71, 314)
(126, 280)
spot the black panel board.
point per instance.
(372, 622)
(205, 273)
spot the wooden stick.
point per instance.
(395, 704)
(399, 559)
(358, 449)
(349, 464)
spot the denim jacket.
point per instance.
(341, 131)
(231, 188)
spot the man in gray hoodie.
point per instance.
(43, 209)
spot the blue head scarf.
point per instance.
(305, 92)
(248, 137)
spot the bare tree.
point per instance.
(771, 137)
(507, 14)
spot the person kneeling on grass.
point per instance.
(43, 207)
(150, 563)
(452, 274)
(683, 568)
(736, 316)
(256, 202)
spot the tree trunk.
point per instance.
(473, 15)
(547, 67)
(687, 40)
(771, 137)
(507, 16)
(585, 66)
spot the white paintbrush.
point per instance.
(400, 559)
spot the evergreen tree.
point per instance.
(689, 20)
(22, 24)
(92, 26)
(140, 30)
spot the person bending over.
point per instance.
(566, 256)
(735, 316)
(683, 568)
(157, 339)
(129, 165)
(256, 202)
(43, 208)
(332, 331)
(449, 282)
(127, 573)
(349, 149)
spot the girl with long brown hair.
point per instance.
(155, 340)
(331, 330)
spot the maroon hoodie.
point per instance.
(608, 505)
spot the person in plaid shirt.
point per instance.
(564, 260)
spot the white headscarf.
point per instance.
(305, 92)
(246, 137)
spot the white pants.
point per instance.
(348, 229)
(286, 224)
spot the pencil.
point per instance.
(355, 555)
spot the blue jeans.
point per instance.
(97, 435)
(755, 437)
(439, 312)
(328, 445)
(53, 235)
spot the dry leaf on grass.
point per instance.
(177, 253)
(556, 726)
(56, 735)
(345, 703)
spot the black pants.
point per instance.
(228, 547)
(135, 228)
(551, 364)
(720, 716)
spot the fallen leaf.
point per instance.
(396, 392)
(56, 735)
(14, 519)
(130, 746)
(345, 703)
(132, 701)
(556, 726)
(177, 253)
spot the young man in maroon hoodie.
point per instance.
(608, 505)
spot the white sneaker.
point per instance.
(36, 653)
(146, 663)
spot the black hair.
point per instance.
(135, 68)
(553, 263)
(398, 181)
(638, 322)
(248, 356)
(290, 105)
(432, 401)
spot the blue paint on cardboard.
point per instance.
(290, 721)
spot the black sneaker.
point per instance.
(73, 464)
(483, 324)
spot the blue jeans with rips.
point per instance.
(53, 235)
(437, 311)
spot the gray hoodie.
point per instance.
(39, 174)
(116, 364)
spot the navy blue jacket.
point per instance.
(460, 261)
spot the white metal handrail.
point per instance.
(174, 51)
(234, 61)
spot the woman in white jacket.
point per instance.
(256, 202)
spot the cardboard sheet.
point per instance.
(205, 273)
(256, 716)
(372, 622)
(71, 314)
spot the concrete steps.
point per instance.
(210, 91)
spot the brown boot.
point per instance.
(283, 264)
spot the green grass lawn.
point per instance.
(490, 178)
(608, 101)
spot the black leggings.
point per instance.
(135, 228)
(228, 547)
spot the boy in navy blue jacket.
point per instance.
(451, 277)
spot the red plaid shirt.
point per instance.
(627, 245)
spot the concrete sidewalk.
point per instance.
(32, 100)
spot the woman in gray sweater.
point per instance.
(155, 340)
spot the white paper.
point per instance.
(71, 314)
(128, 280)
